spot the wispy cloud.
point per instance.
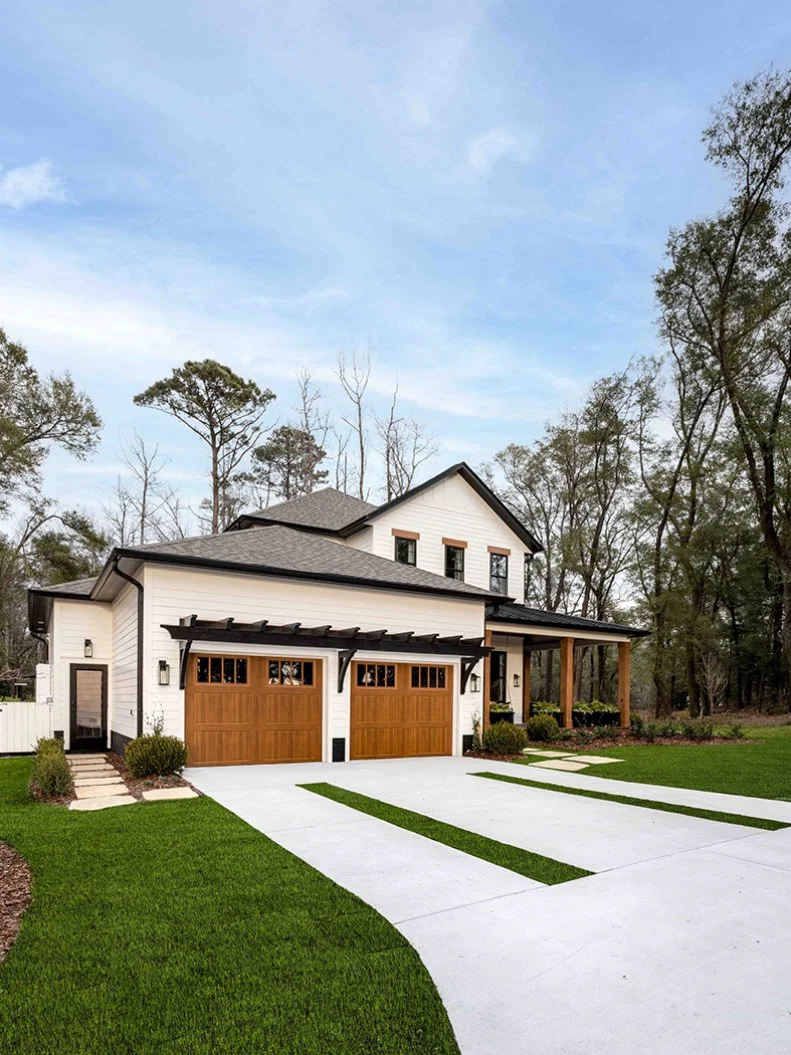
(486, 150)
(30, 184)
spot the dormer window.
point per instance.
(498, 569)
(405, 543)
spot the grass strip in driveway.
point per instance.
(649, 804)
(176, 927)
(534, 866)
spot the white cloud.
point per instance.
(485, 150)
(30, 184)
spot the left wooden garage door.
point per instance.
(252, 709)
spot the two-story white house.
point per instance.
(321, 629)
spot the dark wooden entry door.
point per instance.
(88, 707)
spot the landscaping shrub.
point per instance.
(542, 727)
(504, 739)
(698, 731)
(637, 724)
(50, 774)
(649, 732)
(585, 715)
(155, 755)
(732, 732)
(667, 730)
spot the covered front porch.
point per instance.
(517, 633)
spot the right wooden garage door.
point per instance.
(401, 710)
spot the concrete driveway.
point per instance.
(679, 943)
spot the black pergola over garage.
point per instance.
(346, 641)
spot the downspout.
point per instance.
(44, 642)
(139, 587)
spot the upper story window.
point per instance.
(454, 559)
(405, 543)
(498, 570)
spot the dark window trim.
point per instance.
(498, 579)
(411, 544)
(457, 574)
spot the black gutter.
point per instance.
(139, 587)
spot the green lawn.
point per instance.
(646, 804)
(761, 769)
(535, 866)
(175, 927)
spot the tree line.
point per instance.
(664, 499)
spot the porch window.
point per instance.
(499, 687)
(498, 573)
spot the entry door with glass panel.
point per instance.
(88, 707)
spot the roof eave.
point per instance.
(289, 573)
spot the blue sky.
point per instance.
(479, 191)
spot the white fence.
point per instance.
(22, 722)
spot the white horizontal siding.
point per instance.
(72, 622)
(123, 680)
(173, 593)
(450, 509)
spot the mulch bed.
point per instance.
(14, 895)
(137, 785)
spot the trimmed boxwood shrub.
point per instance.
(584, 715)
(155, 755)
(504, 739)
(542, 728)
(50, 775)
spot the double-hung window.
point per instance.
(406, 547)
(498, 571)
(454, 562)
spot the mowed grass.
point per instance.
(175, 927)
(535, 866)
(647, 804)
(761, 769)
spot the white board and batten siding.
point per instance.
(174, 593)
(449, 509)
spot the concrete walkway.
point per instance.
(680, 943)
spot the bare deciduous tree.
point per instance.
(354, 375)
(406, 445)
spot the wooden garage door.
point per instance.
(400, 710)
(248, 709)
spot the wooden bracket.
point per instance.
(185, 655)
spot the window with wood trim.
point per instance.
(498, 573)
(289, 672)
(406, 550)
(425, 677)
(454, 563)
(221, 670)
(376, 675)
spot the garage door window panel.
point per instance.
(221, 670)
(376, 675)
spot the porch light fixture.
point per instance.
(517, 681)
(164, 672)
(87, 649)
(475, 683)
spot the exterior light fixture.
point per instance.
(164, 672)
(87, 650)
(475, 683)
(517, 681)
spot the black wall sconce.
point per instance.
(517, 681)
(87, 648)
(164, 672)
(475, 683)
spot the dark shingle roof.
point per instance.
(519, 613)
(280, 550)
(327, 510)
(76, 588)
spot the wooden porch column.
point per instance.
(566, 681)
(624, 682)
(487, 681)
(527, 657)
